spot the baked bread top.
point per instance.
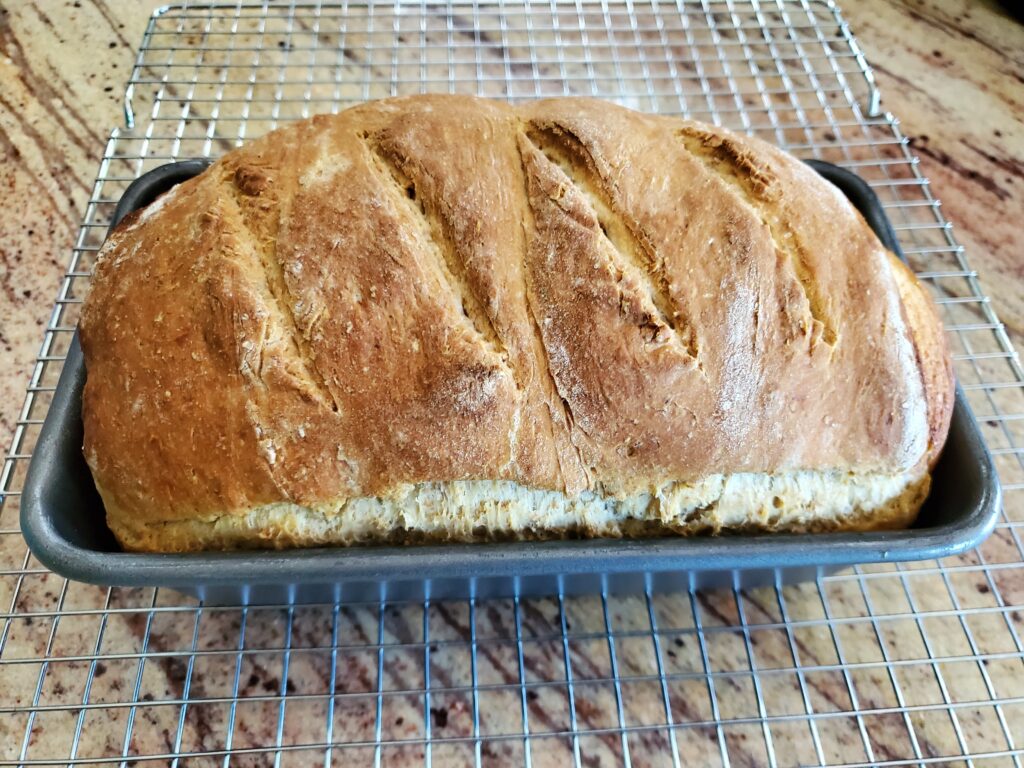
(564, 294)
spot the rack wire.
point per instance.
(893, 664)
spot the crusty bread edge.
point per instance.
(489, 510)
(933, 356)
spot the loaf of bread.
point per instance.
(447, 318)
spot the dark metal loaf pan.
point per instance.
(63, 518)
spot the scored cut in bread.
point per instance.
(448, 318)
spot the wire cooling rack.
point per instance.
(912, 664)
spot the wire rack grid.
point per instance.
(894, 664)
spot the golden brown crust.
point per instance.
(566, 295)
(934, 359)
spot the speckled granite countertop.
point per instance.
(954, 74)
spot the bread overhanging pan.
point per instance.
(63, 519)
